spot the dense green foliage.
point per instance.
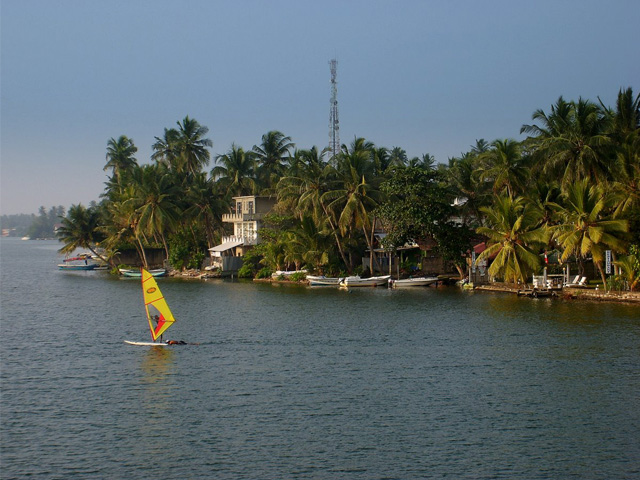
(573, 185)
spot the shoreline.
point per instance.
(567, 293)
(571, 293)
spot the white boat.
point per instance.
(130, 272)
(364, 282)
(413, 282)
(286, 273)
(316, 281)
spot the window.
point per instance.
(250, 207)
(239, 208)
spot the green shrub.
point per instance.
(246, 271)
(617, 283)
(264, 273)
(298, 277)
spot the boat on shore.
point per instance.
(286, 273)
(364, 282)
(133, 273)
(413, 282)
(322, 281)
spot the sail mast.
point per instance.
(159, 315)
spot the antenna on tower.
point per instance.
(334, 123)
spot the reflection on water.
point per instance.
(292, 382)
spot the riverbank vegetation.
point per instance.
(572, 185)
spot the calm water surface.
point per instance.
(293, 382)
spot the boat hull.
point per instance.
(136, 273)
(321, 281)
(413, 282)
(78, 267)
(365, 282)
(146, 344)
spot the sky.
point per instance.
(428, 76)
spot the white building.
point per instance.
(246, 216)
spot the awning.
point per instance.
(223, 247)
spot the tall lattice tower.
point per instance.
(334, 123)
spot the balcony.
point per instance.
(242, 217)
(245, 240)
(232, 217)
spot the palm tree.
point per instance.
(192, 147)
(236, 171)
(626, 169)
(504, 165)
(586, 227)
(205, 206)
(572, 141)
(425, 162)
(471, 193)
(165, 150)
(354, 196)
(120, 228)
(120, 157)
(398, 156)
(513, 234)
(80, 229)
(183, 150)
(306, 245)
(270, 156)
(157, 203)
(630, 266)
(625, 120)
(306, 185)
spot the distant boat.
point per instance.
(364, 282)
(159, 315)
(317, 281)
(413, 282)
(130, 272)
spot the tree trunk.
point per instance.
(335, 233)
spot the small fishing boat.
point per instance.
(364, 282)
(130, 272)
(81, 262)
(72, 266)
(322, 281)
(286, 273)
(159, 315)
(413, 282)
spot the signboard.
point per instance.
(608, 261)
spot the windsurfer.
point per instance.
(176, 342)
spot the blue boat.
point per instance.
(81, 262)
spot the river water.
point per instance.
(290, 382)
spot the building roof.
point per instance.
(226, 246)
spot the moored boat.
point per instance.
(80, 262)
(318, 281)
(130, 272)
(413, 282)
(77, 266)
(364, 282)
(286, 273)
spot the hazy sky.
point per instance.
(428, 76)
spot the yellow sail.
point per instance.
(158, 313)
